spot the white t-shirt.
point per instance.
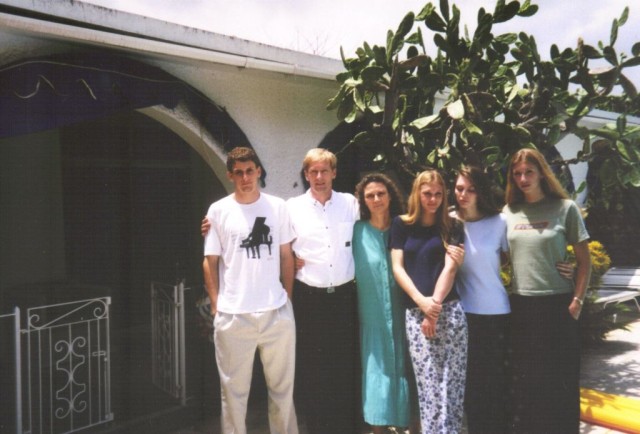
(247, 237)
(323, 237)
(478, 279)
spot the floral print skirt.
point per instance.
(440, 367)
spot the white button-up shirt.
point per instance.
(323, 236)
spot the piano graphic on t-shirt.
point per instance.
(259, 235)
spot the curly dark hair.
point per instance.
(396, 201)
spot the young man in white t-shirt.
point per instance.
(249, 277)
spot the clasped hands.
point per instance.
(430, 307)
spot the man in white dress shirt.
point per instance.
(325, 303)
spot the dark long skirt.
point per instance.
(545, 365)
(485, 400)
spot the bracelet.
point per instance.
(579, 300)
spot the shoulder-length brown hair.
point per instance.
(551, 187)
(414, 209)
(396, 203)
(486, 202)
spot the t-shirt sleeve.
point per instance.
(504, 244)
(286, 229)
(398, 235)
(574, 225)
(212, 243)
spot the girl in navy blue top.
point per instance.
(425, 257)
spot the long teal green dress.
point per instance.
(385, 388)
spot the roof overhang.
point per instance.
(90, 25)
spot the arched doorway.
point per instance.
(101, 206)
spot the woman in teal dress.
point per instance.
(385, 386)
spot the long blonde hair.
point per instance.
(550, 185)
(414, 209)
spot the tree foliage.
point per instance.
(500, 95)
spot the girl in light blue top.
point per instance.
(484, 300)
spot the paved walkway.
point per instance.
(613, 367)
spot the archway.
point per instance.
(101, 201)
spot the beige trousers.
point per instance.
(236, 338)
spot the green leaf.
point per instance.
(634, 61)
(415, 38)
(456, 110)
(624, 151)
(346, 106)
(362, 138)
(344, 60)
(380, 56)
(471, 127)
(513, 93)
(621, 124)
(359, 100)
(624, 16)
(351, 116)
(606, 133)
(343, 76)
(397, 40)
(440, 42)
(431, 158)
(405, 25)
(491, 154)
(425, 12)
(424, 122)
(389, 43)
(372, 73)
(527, 9)
(633, 177)
(610, 55)
(444, 9)
(506, 13)
(434, 22)
(614, 33)
(335, 102)
(507, 38)
(590, 52)
(635, 49)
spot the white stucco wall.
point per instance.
(276, 96)
(282, 115)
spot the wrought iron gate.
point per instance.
(168, 339)
(68, 366)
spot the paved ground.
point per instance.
(613, 368)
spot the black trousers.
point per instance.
(485, 401)
(327, 361)
(545, 365)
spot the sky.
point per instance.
(323, 26)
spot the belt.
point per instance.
(326, 290)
